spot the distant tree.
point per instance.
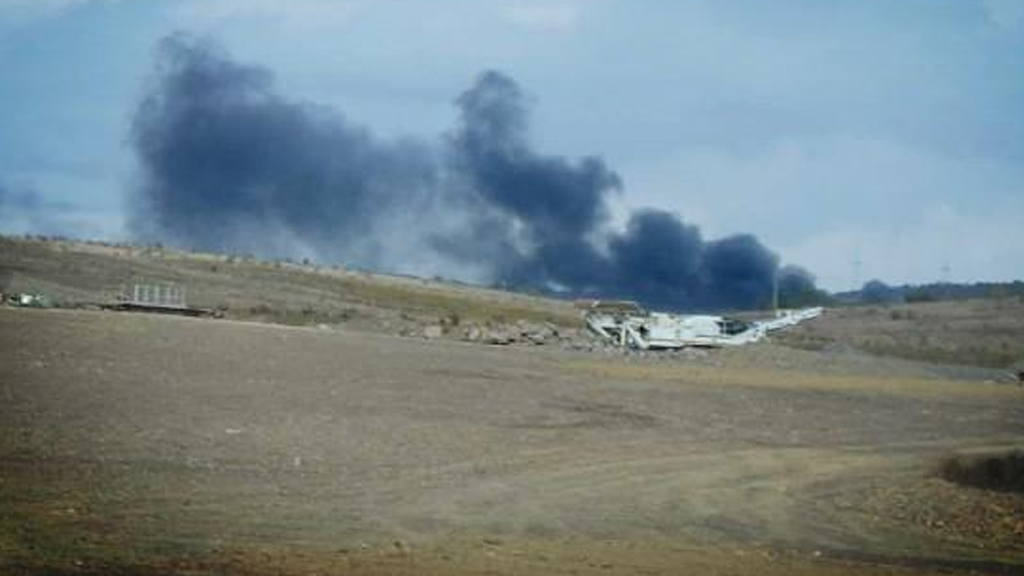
(999, 292)
(928, 293)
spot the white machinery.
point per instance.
(629, 325)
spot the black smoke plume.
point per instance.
(546, 206)
(228, 164)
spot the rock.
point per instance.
(695, 353)
(1015, 372)
(537, 338)
(498, 337)
(552, 329)
(433, 332)
(538, 334)
(473, 334)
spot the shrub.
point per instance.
(1004, 473)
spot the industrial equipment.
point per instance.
(631, 326)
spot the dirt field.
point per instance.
(141, 444)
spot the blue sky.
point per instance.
(885, 132)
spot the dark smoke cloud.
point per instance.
(738, 269)
(658, 259)
(548, 205)
(555, 197)
(558, 206)
(797, 288)
(228, 164)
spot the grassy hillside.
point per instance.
(80, 273)
(986, 332)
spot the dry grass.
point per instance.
(975, 332)
(76, 273)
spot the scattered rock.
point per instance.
(537, 338)
(433, 332)
(552, 329)
(473, 334)
(498, 338)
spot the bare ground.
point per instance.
(143, 444)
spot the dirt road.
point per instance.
(162, 443)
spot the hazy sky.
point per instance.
(885, 132)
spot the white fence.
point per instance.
(157, 295)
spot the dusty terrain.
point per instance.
(142, 444)
(75, 274)
(987, 332)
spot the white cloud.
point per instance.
(553, 15)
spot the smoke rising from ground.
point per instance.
(228, 164)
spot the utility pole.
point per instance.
(775, 291)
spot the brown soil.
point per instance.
(143, 444)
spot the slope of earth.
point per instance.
(75, 273)
(140, 444)
(973, 332)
